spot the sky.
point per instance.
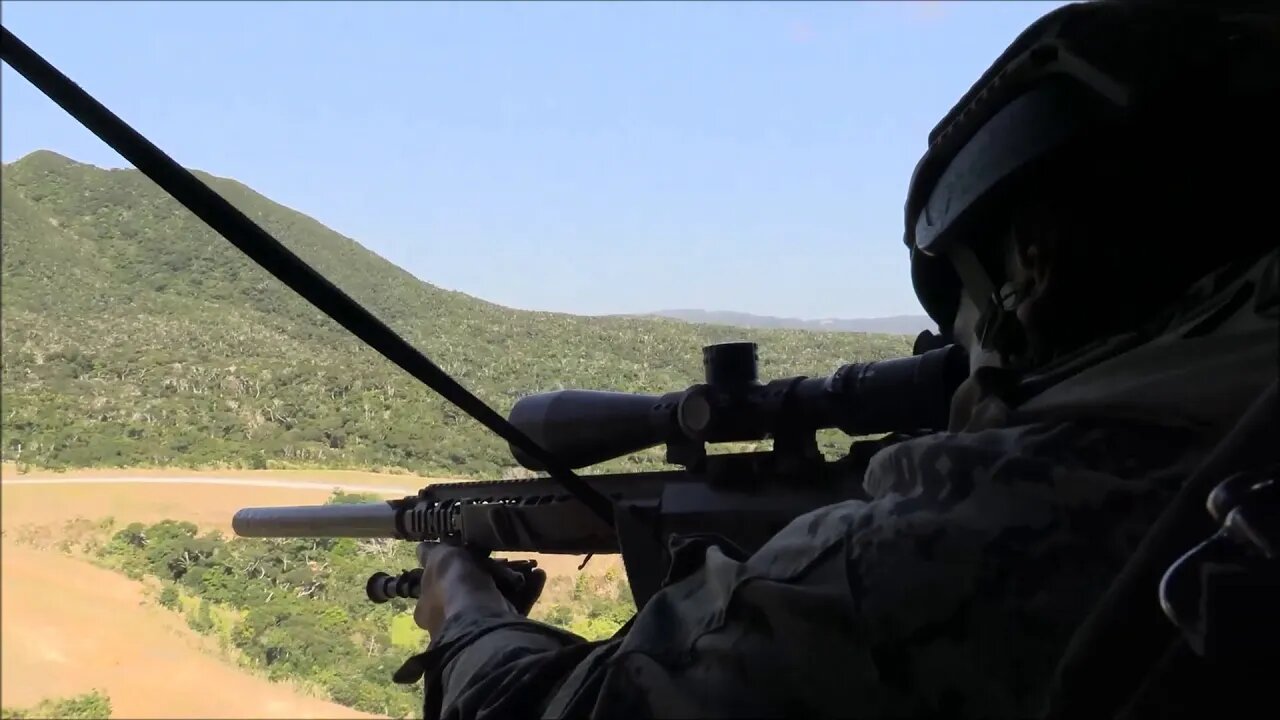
(574, 157)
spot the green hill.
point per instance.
(134, 335)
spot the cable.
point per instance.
(275, 258)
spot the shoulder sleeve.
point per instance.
(953, 593)
(492, 666)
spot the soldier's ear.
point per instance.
(1034, 277)
(1032, 249)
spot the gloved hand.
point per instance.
(453, 579)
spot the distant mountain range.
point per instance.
(897, 324)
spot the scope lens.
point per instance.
(695, 413)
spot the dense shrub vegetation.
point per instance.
(92, 705)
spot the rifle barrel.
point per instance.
(364, 520)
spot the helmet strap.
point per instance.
(998, 327)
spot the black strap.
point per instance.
(1115, 648)
(277, 259)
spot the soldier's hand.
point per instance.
(452, 581)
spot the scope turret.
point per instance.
(731, 366)
(585, 427)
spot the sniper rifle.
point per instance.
(743, 498)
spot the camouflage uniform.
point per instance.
(953, 591)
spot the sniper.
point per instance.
(1089, 222)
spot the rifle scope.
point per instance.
(585, 427)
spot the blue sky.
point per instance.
(578, 157)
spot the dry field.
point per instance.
(69, 627)
(208, 506)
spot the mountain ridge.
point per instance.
(135, 335)
(893, 324)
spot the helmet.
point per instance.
(1153, 78)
